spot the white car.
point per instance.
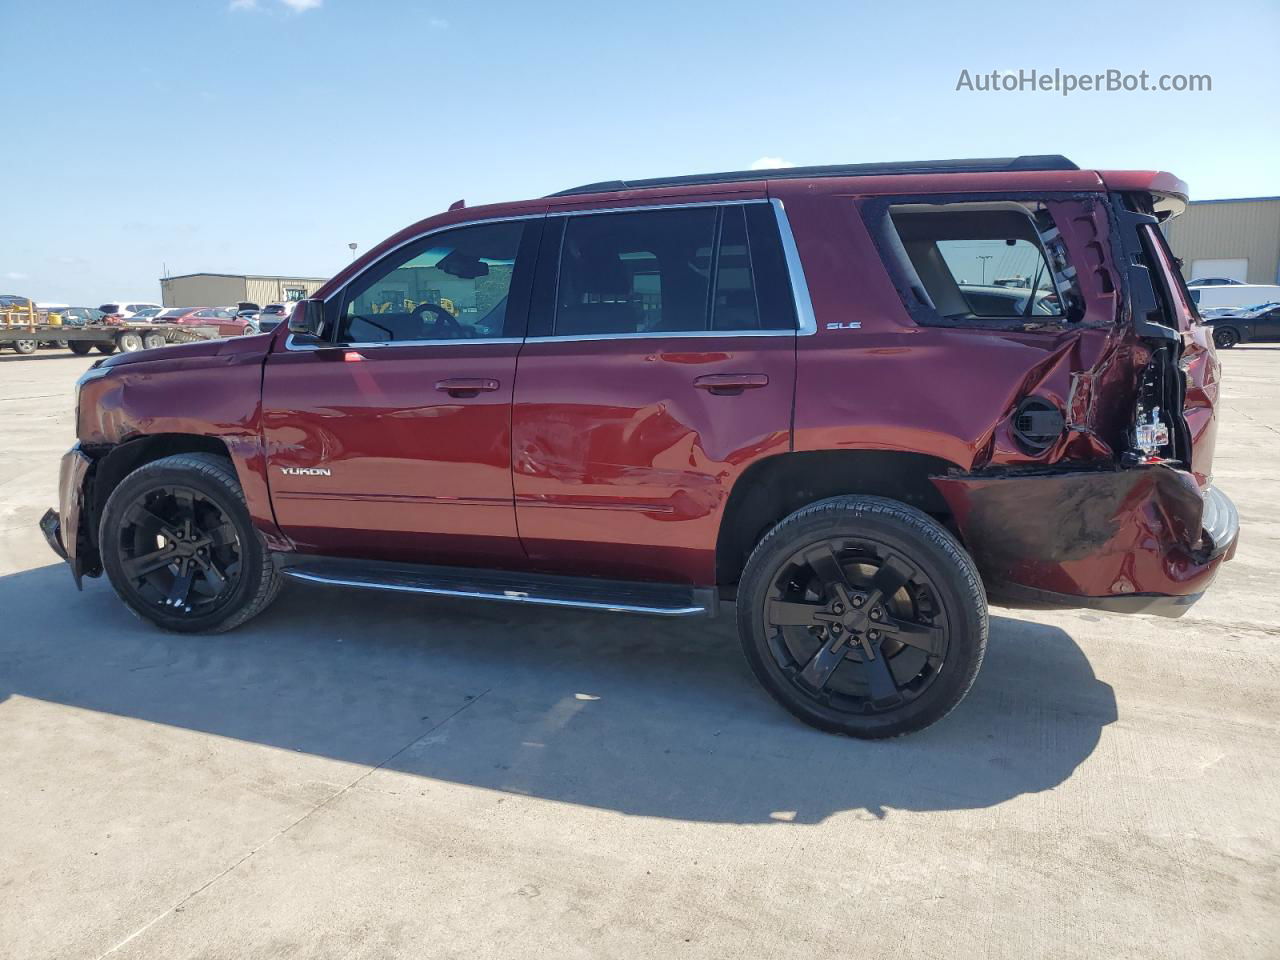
(123, 310)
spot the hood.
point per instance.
(230, 349)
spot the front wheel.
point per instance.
(1224, 338)
(80, 347)
(180, 549)
(863, 616)
(107, 348)
(25, 347)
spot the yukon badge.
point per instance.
(305, 471)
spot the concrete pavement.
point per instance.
(359, 775)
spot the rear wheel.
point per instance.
(106, 348)
(863, 616)
(80, 347)
(153, 340)
(25, 347)
(129, 342)
(180, 549)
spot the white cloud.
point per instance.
(771, 163)
(297, 6)
(15, 275)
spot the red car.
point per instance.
(224, 319)
(791, 391)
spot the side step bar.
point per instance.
(585, 593)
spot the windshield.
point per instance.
(110, 308)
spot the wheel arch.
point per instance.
(777, 486)
(120, 460)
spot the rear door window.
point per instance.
(675, 271)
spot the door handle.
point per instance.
(730, 384)
(461, 387)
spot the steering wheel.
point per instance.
(444, 319)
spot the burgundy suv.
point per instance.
(800, 390)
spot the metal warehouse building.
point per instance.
(223, 289)
(1239, 239)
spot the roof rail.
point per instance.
(1050, 161)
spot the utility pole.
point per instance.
(984, 258)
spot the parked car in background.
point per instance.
(273, 314)
(146, 314)
(760, 387)
(1257, 324)
(229, 324)
(1213, 282)
(1239, 296)
(118, 310)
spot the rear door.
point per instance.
(660, 364)
(393, 441)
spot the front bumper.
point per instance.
(1141, 540)
(63, 528)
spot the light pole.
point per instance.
(984, 260)
(352, 248)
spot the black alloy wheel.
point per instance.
(856, 625)
(863, 616)
(1224, 338)
(180, 548)
(179, 551)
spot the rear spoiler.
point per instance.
(1168, 193)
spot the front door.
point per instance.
(393, 441)
(660, 364)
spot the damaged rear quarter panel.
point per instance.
(1089, 533)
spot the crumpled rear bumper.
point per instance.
(1138, 540)
(61, 527)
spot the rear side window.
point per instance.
(996, 263)
(110, 308)
(655, 272)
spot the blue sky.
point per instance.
(263, 136)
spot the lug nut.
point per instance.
(836, 628)
(875, 614)
(838, 609)
(873, 635)
(857, 601)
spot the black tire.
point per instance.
(818, 667)
(153, 340)
(204, 488)
(107, 348)
(129, 342)
(1224, 338)
(25, 347)
(80, 348)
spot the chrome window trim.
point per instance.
(661, 335)
(807, 321)
(374, 344)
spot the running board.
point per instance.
(584, 593)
